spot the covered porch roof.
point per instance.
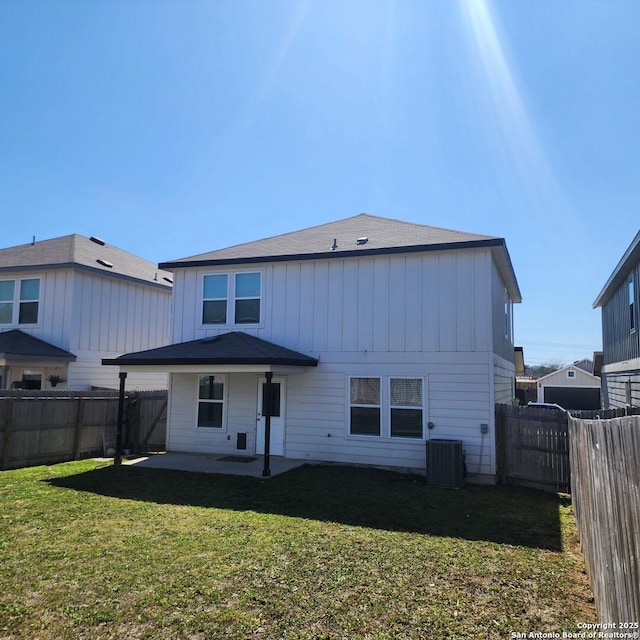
(233, 351)
(18, 346)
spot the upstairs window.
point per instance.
(7, 288)
(247, 296)
(632, 304)
(232, 298)
(29, 301)
(19, 301)
(214, 306)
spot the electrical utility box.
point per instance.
(445, 463)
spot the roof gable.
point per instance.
(76, 251)
(560, 375)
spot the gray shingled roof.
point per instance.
(234, 347)
(82, 252)
(381, 233)
(16, 344)
(359, 235)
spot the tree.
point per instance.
(539, 370)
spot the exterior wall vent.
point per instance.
(105, 263)
(445, 463)
(97, 241)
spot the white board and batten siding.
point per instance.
(96, 317)
(439, 316)
(430, 302)
(111, 317)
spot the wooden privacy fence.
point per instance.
(44, 427)
(605, 458)
(532, 447)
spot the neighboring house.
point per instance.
(572, 387)
(373, 335)
(621, 331)
(69, 302)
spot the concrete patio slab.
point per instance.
(215, 463)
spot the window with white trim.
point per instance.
(229, 299)
(405, 402)
(571, 373)
(247, 298)
(211, 401)
(390, 407)
(19, 301)
(365, 406)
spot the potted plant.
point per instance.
(54, 379)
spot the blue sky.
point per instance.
(170, 128)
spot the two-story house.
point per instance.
(373, 335)
(67, 303)
(620, 373)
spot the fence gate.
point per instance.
(532, 448)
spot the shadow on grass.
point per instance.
(352, 496)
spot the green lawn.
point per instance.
(95, 551)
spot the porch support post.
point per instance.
(118, 456)
(267, 409)
(5, 377)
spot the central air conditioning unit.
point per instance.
(445, 463)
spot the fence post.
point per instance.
(501, 446)
(78, 432)
(6, 438)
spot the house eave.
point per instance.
(349, 253)
(629, 259)
(22, 357)
(497, 245)
(81, 267)
(170, 363)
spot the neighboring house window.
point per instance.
(571, 374)
(242, 292)
(19, 301)
(632, 304)
(211, 400)
(508, 316)
(406, 407)
(365, 406)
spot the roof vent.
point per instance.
(363, 240)
(97, 241)
(334, 246)
(104, 263)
